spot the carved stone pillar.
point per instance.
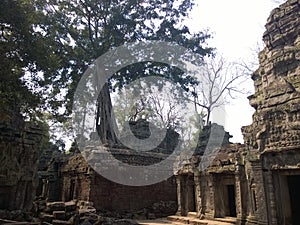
(270, 197)
(211, 192)
(198, 195)
(180, 197)
(45, 188)
(238, 194)
(258, 193)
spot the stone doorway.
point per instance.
(288, 197)
(190, 194)
(4, 197)
(231, 211)
(224, 196)
(294, 187)
(71, 191)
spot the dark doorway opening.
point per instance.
(4, 201)
(191, 201)
(71, 191)
(294, 187)
(231, 200)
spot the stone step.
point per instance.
(231, 220)
(192, 214)
(195, 221)
(22, 223)
(161, 221)
(186, 220)
(180, 219)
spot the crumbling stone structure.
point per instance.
(20, 148)
(81, 182)
(258, 182)
(211, 191)
(272, 141)
(73, 213)
(49, 173)
(73, 178)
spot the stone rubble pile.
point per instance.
(157, 210)
(73, 213)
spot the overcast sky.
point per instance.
(237, 27)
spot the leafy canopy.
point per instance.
(84, 30)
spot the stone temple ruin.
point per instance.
(70, 178)
(19, 144)
(258, 182)
(255, 183)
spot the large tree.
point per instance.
(84, 30)
(219, 81)
(20, 48)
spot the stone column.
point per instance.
(179, 195)
(270, 197)
(260, 213)
(198, 195)
(238, 194)
(211, 192)
(45, 188)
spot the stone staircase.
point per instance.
(191, 218)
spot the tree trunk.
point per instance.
(208, 116)
(105, 118)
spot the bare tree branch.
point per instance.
(218, 81)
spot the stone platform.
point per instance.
(190, 219)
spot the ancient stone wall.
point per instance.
(20, 148)
(272, 141)
(81, 182)
(258, 183)
(205, 190)
(116, 197)
(277, 84)
(77, 177)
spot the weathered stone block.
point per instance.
(59, 215)
(70, 206)
(151, 216)
(86, 211)
(55, 206)
(60, 222)
(46, 217)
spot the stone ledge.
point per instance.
(195, 221)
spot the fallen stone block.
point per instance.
(22, 223)
(70, 206)
(59, 215)
(60, 222)
(86, 212)
(45, 217)
(55, 206)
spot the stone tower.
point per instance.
(272, 141)
(277, 84)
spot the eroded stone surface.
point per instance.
(276, 121)
(20, 151)
(257, 182)
(80, 181)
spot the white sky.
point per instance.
(237, 27)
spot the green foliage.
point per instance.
(159, 101)
(14, 42)
(74, 148)
(24, 52)
(84, 30)
(46, 45)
